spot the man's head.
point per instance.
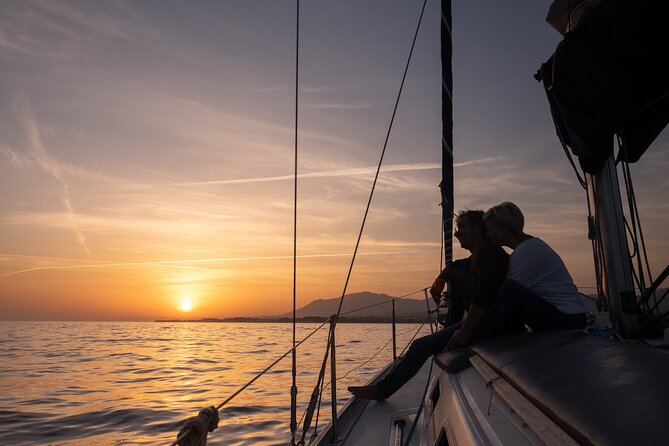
(469, 228)
(504, 223)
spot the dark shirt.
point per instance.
(488, 268)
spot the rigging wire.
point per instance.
(255, 378)
(375, 354)
(595, 238)
(315, 394)
(640, 242)
(411, 340)
(324, 385)
(378, 169)
(566, 149)
(293, 389)
(380, 303)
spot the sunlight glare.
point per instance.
(186, 304)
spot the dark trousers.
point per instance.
(515, 306)
(409, 364)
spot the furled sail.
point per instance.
(610, 76)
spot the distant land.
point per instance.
(365, 307)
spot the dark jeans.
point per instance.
(514, 307)
(419, 351)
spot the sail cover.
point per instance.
(610, 76)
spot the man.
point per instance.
(460, 289)
(488, 265)
(538, 292)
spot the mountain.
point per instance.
(413, 309)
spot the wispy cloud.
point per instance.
(9, 157)
(53, 168)
(358, 105)
(187, 263)
(368, 170)
(56, 29)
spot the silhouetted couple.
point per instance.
(502, 293)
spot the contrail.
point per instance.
(369, 170)
(48, 165)
(181, 263)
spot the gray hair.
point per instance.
(507, 214)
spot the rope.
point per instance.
(254, 379)
(636, 219)
(293, 389)
(378, 169)
(566, 150)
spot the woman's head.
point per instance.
(504, 222)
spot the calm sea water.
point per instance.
(122, 383)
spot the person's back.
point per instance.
(538, 291)
(537, 267)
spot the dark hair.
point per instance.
(474, 218)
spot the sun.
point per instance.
(186, 304)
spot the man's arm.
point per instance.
(462, 337)
(445, 275)
(440, 282)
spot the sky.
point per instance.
(147, 150)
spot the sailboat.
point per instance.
(606, 82)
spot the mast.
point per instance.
(616, 275)
(446, 184)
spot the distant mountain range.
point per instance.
(413, 309)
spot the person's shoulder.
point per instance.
(531, 243)
(537, 244)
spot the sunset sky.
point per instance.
(146, 152)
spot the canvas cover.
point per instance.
(610, 76)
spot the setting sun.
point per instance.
(186, 304)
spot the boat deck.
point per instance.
(367, 422)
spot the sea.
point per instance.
(133, 383)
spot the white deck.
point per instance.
(367, 423)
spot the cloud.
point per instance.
(359, 105)
(188, 263)
(10, 158)
(355, 171)
(52, 167)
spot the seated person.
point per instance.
(460, 289)
(538, 290)
(488, 265)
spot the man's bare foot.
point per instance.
(367, 393)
